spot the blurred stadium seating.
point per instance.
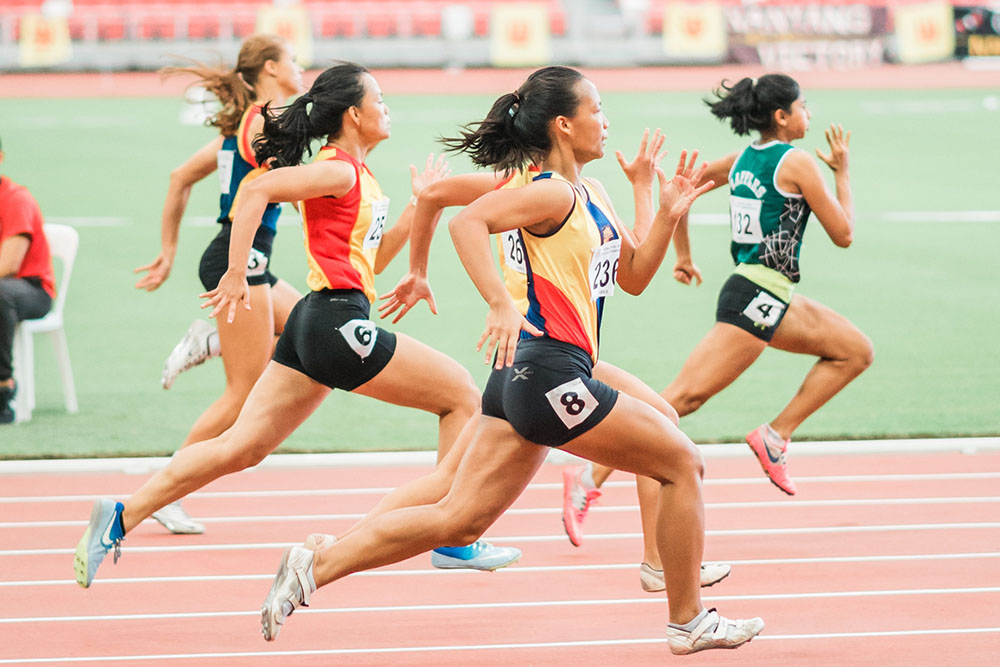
(115, 20)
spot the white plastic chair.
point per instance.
(63, 244)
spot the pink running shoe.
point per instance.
(771, 454)
(576, 502)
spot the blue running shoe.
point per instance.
(103, 534)
(480, 555)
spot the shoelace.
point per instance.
(582, 499)
(117, 551)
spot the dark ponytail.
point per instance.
(289, 131)
(515, 132)
(750, 105)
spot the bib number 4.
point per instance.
(764, 310)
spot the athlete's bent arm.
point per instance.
(182, 179)
(308, 181)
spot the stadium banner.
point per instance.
(292, 23)
(694, 32)
(811, 36)
(924, 32)
(44, 41)
(519, 34)
(977, 32)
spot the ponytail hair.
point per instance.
(515, 132)
(289, 131)
(750, 104)
(235, 88)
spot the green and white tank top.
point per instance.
(767, 223)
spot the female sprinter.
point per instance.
(462, 190)
(328, 341)
(542, 393)
(773, 188)
(265, 73)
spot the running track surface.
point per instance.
(882, 558)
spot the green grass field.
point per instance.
(923, 286)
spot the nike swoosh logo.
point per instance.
(773, 459)
(106, 537)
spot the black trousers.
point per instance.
(20, 299)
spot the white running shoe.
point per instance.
(319, 542)
(291, 589)
(191, 351)
(177, 521)
(713, 631)
(711, 573)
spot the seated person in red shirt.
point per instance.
(27, 282)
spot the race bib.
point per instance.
(572, 402)
(224, 163)
(513, 251)
(745, 216)
(380, 211)
(604, 269)
(256, 263)
(764, 310)
(360, 336)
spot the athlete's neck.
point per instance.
(350, 144)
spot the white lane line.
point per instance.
(516, 539)
(147, 464)
(542, 511)
(484, 647)
(541, 486)
(520, 569)
(532, 604)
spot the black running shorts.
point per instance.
(215, 259)
(548, 395)
(329, 338)
(747, 305)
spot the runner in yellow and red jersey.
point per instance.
(542, 393)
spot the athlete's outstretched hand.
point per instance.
(433, 171)
(678, 193)
(839, 142)
(158, 271)
(642, 169)
(410, 289)
(227, 296)
(504, 324)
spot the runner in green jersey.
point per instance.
(773, 188)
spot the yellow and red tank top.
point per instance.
(342, 234)
(237, 166)
(572, 270)
(509, 248)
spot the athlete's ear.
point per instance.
(781, 117)
(562, 124)
(355, 113)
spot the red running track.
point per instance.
(880, 559)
